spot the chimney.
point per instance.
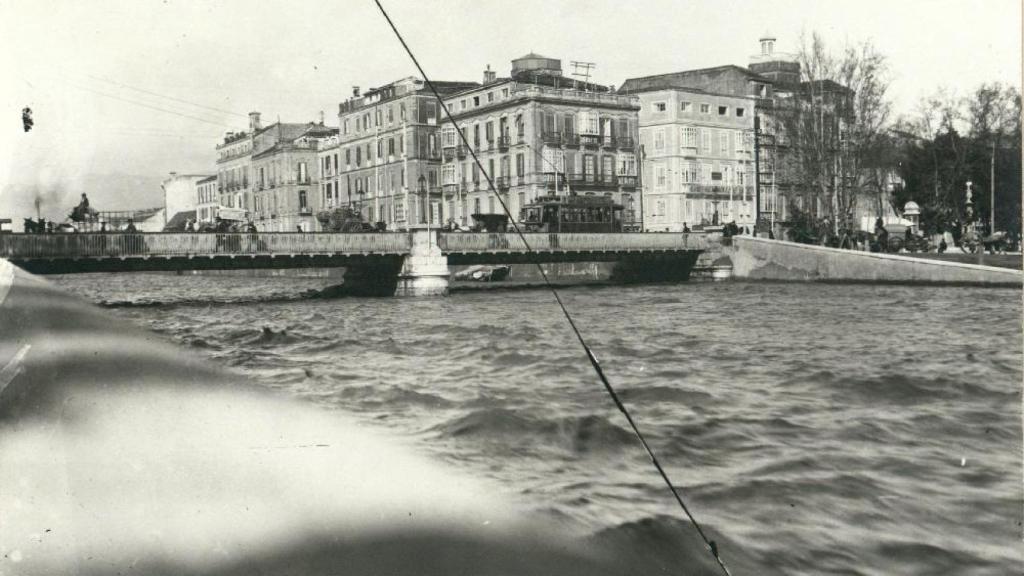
(355, 91)
(254, 121)
(489, 75)
(320, 117)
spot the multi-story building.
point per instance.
(285, 176)
(771, 76)
(390, 154)
(330, 173)
(234, 166)
(207, 199)
(538, 133)
(180, 193)
(698, 158)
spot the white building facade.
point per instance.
(698, 164)
(181, 193)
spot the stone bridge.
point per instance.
(403, 263)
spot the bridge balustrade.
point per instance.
(23, 246)
(454, 243)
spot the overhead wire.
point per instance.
(158, 95)
(710, 544)
(150, 106)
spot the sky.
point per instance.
(125, 92)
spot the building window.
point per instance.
(705, 108)
(705, 173)
(688, 173)
(705, 140)
(302, 199)
(302, 172)
(686, 106)
(504, 92)
(490, 96)
(739, 112)
(462, 104)
(723, 143)
(689, 137)
(723, 110)
(659, 176)
(659, 106)
(659, 140)
(627, 165)
(520, 164)
(476, 101)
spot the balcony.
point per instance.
(521, 137)
(607, 142)
(549, 179)
(625, 143)
(461, 152)
(590, 140)
(450, 154)
(503, 143)
(572, 140)
(627, 181)
(452, 189)
(551, 138)
(502, 183)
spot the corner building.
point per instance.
(285, 176)
(699, 158)
(711, 91)
(234, 166)
(539, 133)
(389, 154)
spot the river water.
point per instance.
(818, 429)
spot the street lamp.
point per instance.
(423, 194)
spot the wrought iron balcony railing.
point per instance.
(551, 137)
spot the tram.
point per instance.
(572, 213)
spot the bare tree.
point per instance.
(835, 125)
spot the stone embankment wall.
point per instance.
(763, 259)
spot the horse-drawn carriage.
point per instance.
(345, 219)
(973, 240)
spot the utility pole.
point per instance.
(582, 70)
(992, 191)
(757, 171)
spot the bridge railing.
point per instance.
(23, 246)
(569, 242)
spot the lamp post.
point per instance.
(424, 218)
(757, 172)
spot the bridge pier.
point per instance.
(425, 269)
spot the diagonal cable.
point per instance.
(712, 547)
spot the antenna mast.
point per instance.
(581, 71)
